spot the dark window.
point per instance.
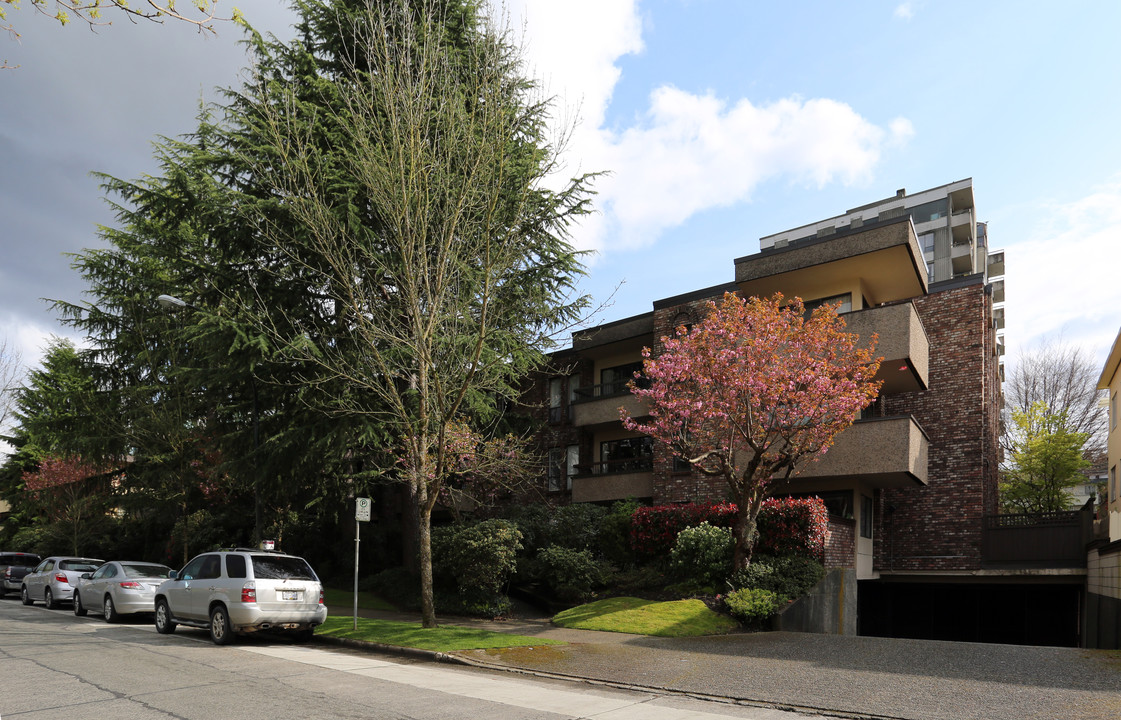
(138, 570)
(211, 567)
(930, 211)
(279, 567)
(840, 303)
(837, 502)
(105, 571)
(556, 469)
(865, 516)
(191, 570)
(613, 380)
(634, 454)
(78, 565)
(235, 566)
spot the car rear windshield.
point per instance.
(19, 559)
(137, 570)
(279, 567)
(78, 565)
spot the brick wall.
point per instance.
(840, 546)
(938, 527)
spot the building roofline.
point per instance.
(714, 291)
(1111, 364)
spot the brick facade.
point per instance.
(840, 545)
(938, 527)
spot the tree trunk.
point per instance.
(745, 532)
(424, 534)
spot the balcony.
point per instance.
(888, 452)
(963, 228)
(961, 256)
(903, 345)
(615, 480)
(599, 404)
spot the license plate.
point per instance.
(289, 594)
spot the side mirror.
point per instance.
(86, 575)
(173, 575)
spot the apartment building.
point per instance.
(911, 486)
(1103, 596)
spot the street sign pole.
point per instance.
(361, 515)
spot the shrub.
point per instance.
(615, 534)
(793, 526)
(654, 529)
(752, 606)
(572, 575)
(575, 526)
(703, 553)
(475, 560)
(789, 575)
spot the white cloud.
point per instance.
(905, 10)
(689, 152)
(1062, 281)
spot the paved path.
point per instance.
(848, 676)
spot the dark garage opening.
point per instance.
(991, 613)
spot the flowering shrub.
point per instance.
(786, 525)
(793, 526)
(703, 553)
(751, 606)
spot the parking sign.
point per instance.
(362, 510)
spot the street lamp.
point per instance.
(170, 302)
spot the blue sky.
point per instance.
(721, 121)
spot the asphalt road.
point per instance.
(54, 665)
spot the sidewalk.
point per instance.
(848, 676)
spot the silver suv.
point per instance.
(242, 591)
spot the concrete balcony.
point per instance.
(617, 486)
(962, 258)
(963, 227)
(591, 408)
(888, 452)
(903, 344)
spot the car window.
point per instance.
(280, 567)
(78, 565)
(235, 566)
(191, 571)
(105, 571)
(211, 567)
(45, 566)
(138, 570)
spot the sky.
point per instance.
(718, 121)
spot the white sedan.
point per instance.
(119, 588)
(53, 580)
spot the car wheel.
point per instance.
(25, 597)
(111, 615)
(79, 608)
(164, 624)
(220, 631)
(48, 599)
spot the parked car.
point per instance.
(53, 580)
(13, 566)
(119, 588)
(241, 591)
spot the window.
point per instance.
(840, 303)
(1113, 483)
(634, 454)
(572, 454)
(1113, 412)
(865, 516)
(837, 502)
(613, 380)
(680, 464)
(573, 392)
(105, 571)
(555, 469)
(930, 211)
(926, 242)
(235, 566)
(555, 394)
(211, 567)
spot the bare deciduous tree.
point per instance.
(1064, 378)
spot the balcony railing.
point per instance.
(615, 467)
(606, 390)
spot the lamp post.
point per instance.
(170, 302)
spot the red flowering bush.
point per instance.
(786, 525)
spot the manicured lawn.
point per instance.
(336, 597)
(446, 638)
(677, 618)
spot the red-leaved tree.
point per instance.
(70, 491)
(753, 393)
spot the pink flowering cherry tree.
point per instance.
(754, 393)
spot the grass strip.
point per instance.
(445, 638)
(677, 618)
(336, 597)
